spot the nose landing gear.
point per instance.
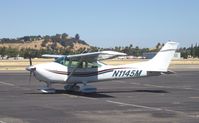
(48, 89)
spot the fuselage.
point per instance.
(57, 73)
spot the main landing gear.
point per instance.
(84, 88)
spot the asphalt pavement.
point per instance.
(170, 98)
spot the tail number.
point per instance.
(127, 73)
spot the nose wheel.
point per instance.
(48, 89)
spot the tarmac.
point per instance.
(170, 98)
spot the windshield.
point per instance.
(72, 63)
(63, 61)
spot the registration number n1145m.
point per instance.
(127, 73)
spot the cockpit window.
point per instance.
(72, 63)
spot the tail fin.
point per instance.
(163, 58)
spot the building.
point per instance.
(149, 55)
(177, 55)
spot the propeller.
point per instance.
(30, 63)
(30, 68)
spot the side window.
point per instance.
(83, 64)
(60, 60)
(66, 61)
(75, 64)
(93, 65)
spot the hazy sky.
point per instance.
(104, 23)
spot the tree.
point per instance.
(196, 48)
(192, 50)
(158, 45)
(64, 36)
(77, 37)
(11, 52)
(131, 46)
(195, 51)
(2, 51)
(54, 45)
(43, 44)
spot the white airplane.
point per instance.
(76, 71)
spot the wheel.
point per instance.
(48, 90)
(71, 87)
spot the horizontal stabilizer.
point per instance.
(169, 72)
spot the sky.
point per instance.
(104, 23)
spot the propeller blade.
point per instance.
(30, 77)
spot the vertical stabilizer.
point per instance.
(163, 58)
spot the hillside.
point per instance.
(56, 42)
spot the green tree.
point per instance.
(77, 37)
(11, 52)
(158, 46)
(2, 51)
(64, 36)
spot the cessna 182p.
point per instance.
(76, 71)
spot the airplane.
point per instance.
(75, 72)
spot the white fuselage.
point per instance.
(57, 73)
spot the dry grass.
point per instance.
(37, 45)
(32, 45)
(24, 62)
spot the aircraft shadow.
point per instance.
(132, 91)
(103, 93)
(92, 95)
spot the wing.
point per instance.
(96, 56)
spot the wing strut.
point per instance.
(73, 71)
